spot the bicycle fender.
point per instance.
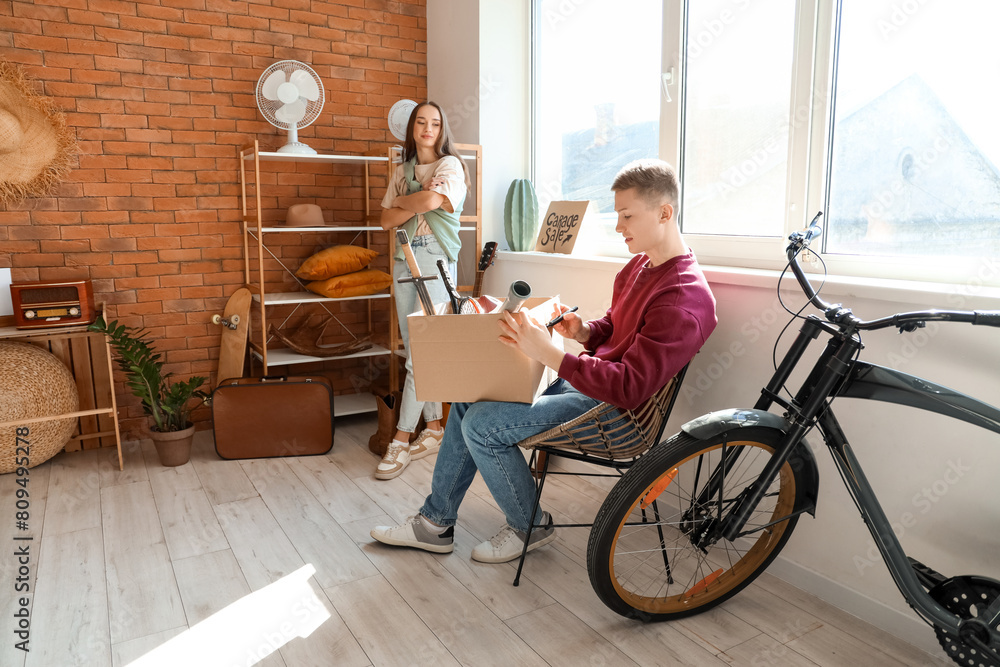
(802, 459)
(714, 423)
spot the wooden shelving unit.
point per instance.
(255, 251)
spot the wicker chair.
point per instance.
(603, 436)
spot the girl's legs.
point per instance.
(427, 252)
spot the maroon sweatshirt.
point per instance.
(659, 318)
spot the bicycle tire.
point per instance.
(683, 579)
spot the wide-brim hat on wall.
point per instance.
(36, 146)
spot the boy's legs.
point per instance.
(484, 436)
(491, 432)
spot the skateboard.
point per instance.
(235, 322)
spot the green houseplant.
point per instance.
(169, 404)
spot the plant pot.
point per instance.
(173, 447)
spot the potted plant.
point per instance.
(168, 403)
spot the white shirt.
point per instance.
(453, 188)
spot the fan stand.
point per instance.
(295, 146)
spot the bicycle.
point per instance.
(703, 513)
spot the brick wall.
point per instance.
(161, 95)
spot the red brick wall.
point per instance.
(161, 95)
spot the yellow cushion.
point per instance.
(358, 283)
(335, 261)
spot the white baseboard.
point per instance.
(905, 625)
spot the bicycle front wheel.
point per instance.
(646, 555)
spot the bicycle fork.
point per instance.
(831, 368)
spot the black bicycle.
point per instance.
(703, 513)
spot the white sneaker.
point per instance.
(414, 534)
(508, 544)
(426, 443)
(396, 458)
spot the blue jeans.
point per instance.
(427, 251)
(483, 436)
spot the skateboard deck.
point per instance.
(235, 322)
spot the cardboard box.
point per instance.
(459, 358)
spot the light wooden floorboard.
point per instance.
(131, 559)
(125, 652)
(74, 493)
(142, 592)
(449, 609)
(563, 639)
(263, 551)
(69, 617)
(189, 524)
(317, 537)
(19, 584)
(223, 481)
(208, 583)
(389, 631)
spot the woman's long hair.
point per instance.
(445, 142)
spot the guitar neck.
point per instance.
(477, 287)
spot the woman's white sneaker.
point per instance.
(396, 458)
(426, 443)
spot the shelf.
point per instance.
(283, 298)
(353, 404)
(284, 356)
(326, 159)
(325, 228)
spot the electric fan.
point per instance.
(290, 95)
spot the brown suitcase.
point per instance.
(273, 416)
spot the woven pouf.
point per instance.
(34, 383)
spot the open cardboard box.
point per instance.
(459, 358)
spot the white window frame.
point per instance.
(810, 114)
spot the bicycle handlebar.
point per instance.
(836, 313)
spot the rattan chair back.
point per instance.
(609, 433)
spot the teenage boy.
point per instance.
(662, 311)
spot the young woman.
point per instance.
(425, 198)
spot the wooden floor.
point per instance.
(122, 562)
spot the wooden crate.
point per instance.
(87, 355)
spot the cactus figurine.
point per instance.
(520, 215)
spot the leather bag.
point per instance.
(273, 416)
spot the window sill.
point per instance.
(969, 296)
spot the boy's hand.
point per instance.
(572, 325)
(521, 331)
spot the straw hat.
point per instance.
(36, 146)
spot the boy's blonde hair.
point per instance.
(655, 181)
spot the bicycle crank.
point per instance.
(968, 597)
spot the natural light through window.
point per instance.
(735, 147)
(916, 150)
(597, 91)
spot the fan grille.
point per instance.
(270, 107)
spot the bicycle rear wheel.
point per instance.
(643, 555)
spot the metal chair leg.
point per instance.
(531, 524)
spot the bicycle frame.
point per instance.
(862, 380)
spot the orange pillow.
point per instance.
(359, 283)
(335, 261)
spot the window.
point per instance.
(914, 164)
(734, 149)
(597, 94)
(879, 113)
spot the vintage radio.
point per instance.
(48, 304)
